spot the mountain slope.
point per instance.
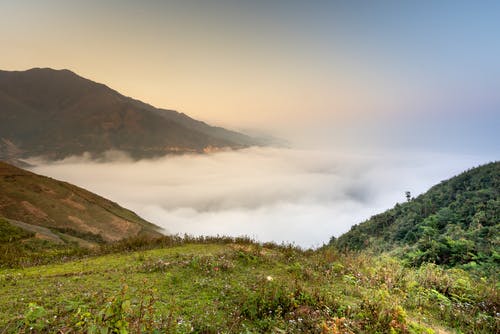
(456, 222)
(30, 201)
(56, 113)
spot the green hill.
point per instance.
(455, 223)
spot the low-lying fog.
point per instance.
(281, 195)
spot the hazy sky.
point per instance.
(418, 73)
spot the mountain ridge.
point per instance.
(57, 113)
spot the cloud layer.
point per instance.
(281, 195)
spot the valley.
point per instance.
(175, 284)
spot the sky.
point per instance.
(403, 74)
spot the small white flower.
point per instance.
(269, 278)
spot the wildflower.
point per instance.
(269, 278)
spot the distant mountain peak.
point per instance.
(57, 113)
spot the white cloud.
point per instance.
(281, 195)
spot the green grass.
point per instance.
(219, 286)
(11, 233)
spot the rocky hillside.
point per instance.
(58, 211)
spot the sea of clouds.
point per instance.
(270, 194)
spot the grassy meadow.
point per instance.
(224, 285)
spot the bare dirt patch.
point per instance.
(69, 201)
(83, 226)
(34, 210)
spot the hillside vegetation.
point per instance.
(455, 224)
(12, 233)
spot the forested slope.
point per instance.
(455, 223)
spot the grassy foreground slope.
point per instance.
(222, 285)
(455, 224)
